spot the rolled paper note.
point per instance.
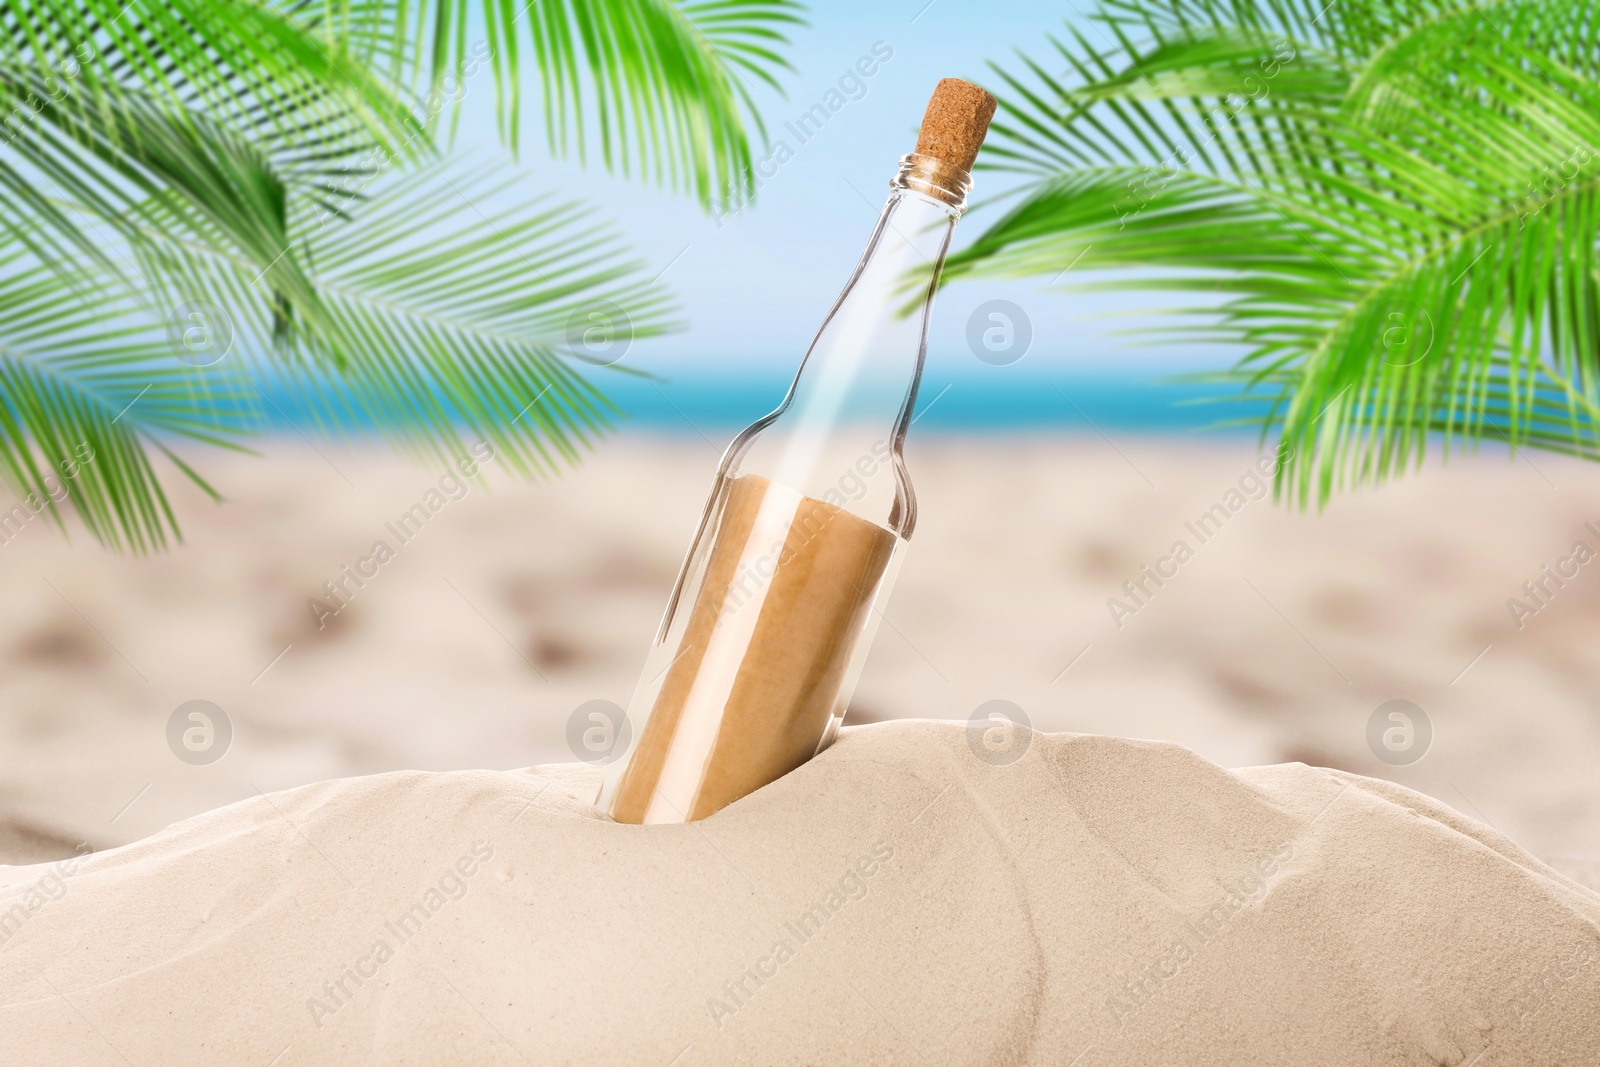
(788, 590)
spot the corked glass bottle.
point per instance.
(774, 610)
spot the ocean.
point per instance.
(717, 403)
(1137, 403)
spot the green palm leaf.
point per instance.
(252, 64)
(443, 318)
(472, 329)
(655, 88)
(136, 167)
(256, 168)
(87, 390)
(1400, 235)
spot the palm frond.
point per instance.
(125, 169)
(87, 391)
(248, 64)
(467, 322)
(258, 168)
(447, 312)
(658, 89)
(1403, 247)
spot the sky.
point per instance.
(753, 288)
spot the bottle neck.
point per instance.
(937, 181)
(837, 435)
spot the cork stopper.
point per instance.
(955, 123)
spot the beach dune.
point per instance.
(909, 896)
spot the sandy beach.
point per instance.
(344, 863)
(515, 603)
(1071, 747)
(1093, 897)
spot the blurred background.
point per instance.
(1056, 459)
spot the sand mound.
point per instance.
(897, 900)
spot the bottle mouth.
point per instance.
(934, 178)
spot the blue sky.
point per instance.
(753, 289)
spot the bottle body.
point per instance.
(775, 608)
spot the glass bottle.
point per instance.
(775, 608)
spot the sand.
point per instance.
(516, 605)
(903, 898)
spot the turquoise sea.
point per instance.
(1125, 403)
(717, 403)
